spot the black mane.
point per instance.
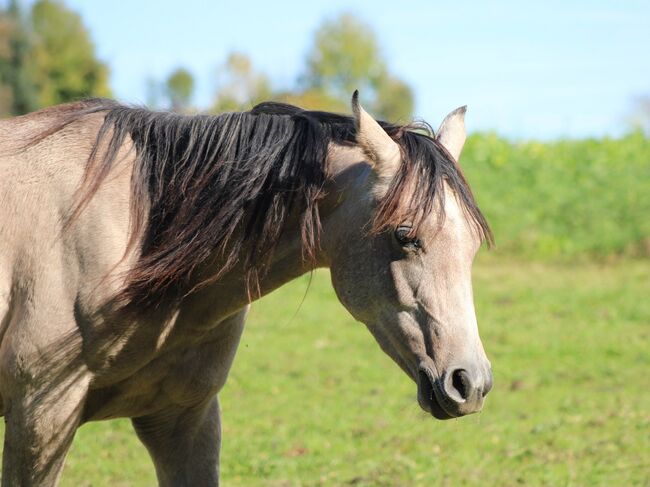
(229, 182)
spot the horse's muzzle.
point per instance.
(457, 393)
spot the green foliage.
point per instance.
(563, 199)
(240, 85)
(394, 100)
(46, 58)
(64, 64)
(314, 99)
(17, 93)
(313, 401)
(345, 56)
(179, 88)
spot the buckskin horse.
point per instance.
(132, 243)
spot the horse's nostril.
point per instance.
(488, 384)
(461, 382)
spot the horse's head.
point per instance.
(401, 261)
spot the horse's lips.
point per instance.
(427, 397)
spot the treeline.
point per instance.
(47, 57)
(344, 55)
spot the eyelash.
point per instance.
(402, 236)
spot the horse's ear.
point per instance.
(452, 133)
(382, 151)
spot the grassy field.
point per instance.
(313, 401)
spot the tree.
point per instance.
(346, 56)
(64, 64)
(394, 99)
(17, 91)
(154, 92)
(240, 85)
(313, 99)
(640, 114)
(179, 88)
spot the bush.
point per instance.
(563, 199)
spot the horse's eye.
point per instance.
(405, 239)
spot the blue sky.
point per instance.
(526, 69)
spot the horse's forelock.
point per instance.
(418, 184)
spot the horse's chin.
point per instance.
(427, 397)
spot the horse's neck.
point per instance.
(346, 177)
(346, 172)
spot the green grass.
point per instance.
(313, 401)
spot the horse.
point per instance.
(134, 241)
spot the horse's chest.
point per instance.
(176, 378)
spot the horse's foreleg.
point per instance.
(40, 424)
(184, 444)
(184, 437)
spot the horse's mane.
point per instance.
(217, 190)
